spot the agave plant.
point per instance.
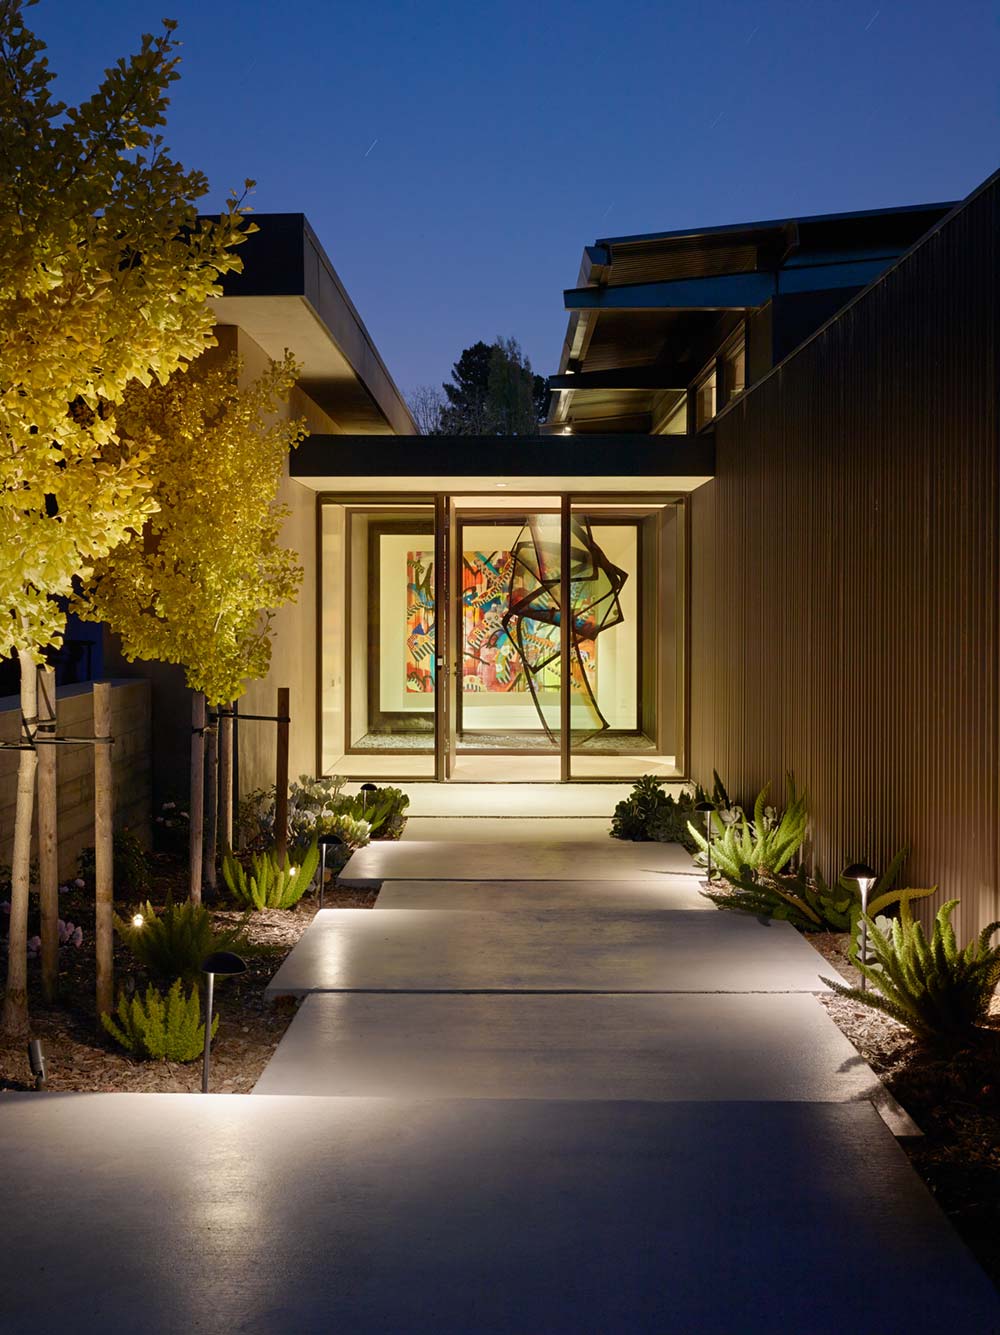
(270, 883)
(941, 993)
(743, 848)
(809, 903)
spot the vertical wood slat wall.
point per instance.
(845, 575)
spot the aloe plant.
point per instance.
(269, 883)
(742, 847)
(940, 993)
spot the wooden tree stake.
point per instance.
(103, 848)
(281, 778)
(15, 1001)
(211, 803)
(196, 802)
(226, 780)
(48, 846)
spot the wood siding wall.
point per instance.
(845, 571)
(130, 761)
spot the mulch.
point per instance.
(81, 1057)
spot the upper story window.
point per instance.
(734, 367)
(705, 399)
(670, 415)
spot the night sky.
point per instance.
(454, 158)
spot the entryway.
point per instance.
(496, 639)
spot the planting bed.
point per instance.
(82, 1058)
(955, 1102)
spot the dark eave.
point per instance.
(616, 462)
(674, 376)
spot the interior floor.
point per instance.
(471, 768)
(613, 741)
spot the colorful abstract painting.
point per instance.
(492, 660)
(419, 656)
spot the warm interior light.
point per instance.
(501, 484)
(137, 919)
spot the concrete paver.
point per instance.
(270, 1215)
(668, 892)
(498, 831)
(668, 1048)
(415, 950)
(513, 860)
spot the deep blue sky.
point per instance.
(508, 136)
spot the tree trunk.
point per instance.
(281, 778)
(211, 805)
(104, 858)
(48, 845)
(196, 802)
(14, 1021)
(226, 780)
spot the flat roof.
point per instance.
(290, 296)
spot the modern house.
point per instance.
(768, 496)
(758, 533)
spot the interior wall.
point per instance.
(845, 575)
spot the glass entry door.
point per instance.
(508, 632)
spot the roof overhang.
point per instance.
(289, 296)
(432, 464)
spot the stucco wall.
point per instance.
(293, 662)
(130, 761)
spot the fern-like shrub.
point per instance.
(941, 993)
(269, 883)
(173, 943)
(808, 902)
(166, 1028)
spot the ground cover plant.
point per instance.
(164, 1028)
(938, 991)
(318, 807)
(651, 814)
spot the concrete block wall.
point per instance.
(131, 761)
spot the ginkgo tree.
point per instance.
(105, 269)
(202, 587)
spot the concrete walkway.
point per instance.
(596, 1107)
(159, 1214)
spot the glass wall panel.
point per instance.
(624, 642)
(378, 641)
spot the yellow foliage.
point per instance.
(104, 274)
(202, 586)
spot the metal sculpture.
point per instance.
(533, 617)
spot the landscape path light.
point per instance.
(866, 878)
(367, 788)
(36, 1060)
(707, 808)
(324, 841)
(225, 963)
